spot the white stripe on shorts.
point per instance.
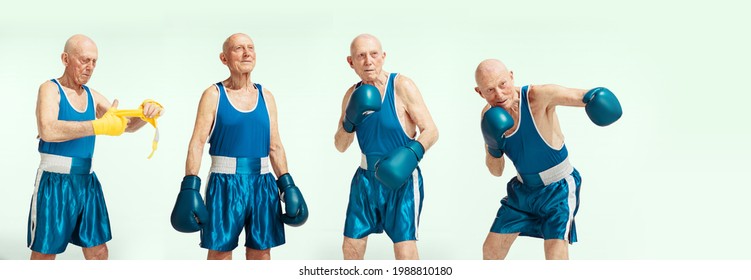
(571, 205)
(33, 222)
(416, 190)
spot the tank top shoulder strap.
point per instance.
(390, 85)
(524, 106)
(261, 100)
(60, 91)
(222, 95)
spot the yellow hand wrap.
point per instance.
(139, 113)
(110, 124)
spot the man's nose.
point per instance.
(498, 94)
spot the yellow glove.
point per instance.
(139, 113)
(110, 124)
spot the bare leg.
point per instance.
(406, 250)
(40, 256)
(354, 249)
(98, 252)
(556, 249)
(219, 255)
(253, 254)
(496, 245)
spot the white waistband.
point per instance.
(228, 165)
(553, 174)
(57, 163)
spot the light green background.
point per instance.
(668, 181)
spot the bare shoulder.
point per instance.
(544, 93)
(96, 94)
(349, 92)
(48, 89)
(48, 85)
(211, 91)
(546, 89)
(404, 84)
(267, 93)
(350, 89)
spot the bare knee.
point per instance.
(489, 249)
(253, 254)
(406, 250)
(99, 252)
(39, 256)
(556, 249)
(354, 249)
(497, 245)
(219, 255)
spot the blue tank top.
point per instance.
(82, 147)
(381, 132)
(526, 148)
(237, 133)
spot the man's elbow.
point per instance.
(48, 136)
(495, 172)
(275, 147)
(340, 146)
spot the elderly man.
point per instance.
(68, 205)
(385, 110)
(238, 118)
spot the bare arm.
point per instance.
(555, 95)
(49, 127)
(495, 165)
(277, 155)
(201, 130)
(343, 139)
(417, 111)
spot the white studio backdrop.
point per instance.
(664, 182)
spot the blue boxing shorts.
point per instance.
(374, 208)
(541, 205)
(242, 194)
(67, 206)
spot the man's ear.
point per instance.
(223, 58)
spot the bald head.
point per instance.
(79, 57)
(232, 39)
(490, 67)
(78, 43)
(364, 40)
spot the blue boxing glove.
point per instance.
(494, 124)
(365, 100)
(189, 213)
(397, 166)
(602, 106)
(296, 211)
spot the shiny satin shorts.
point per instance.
(541, 205)
(67, 206)
(242, 194)
(374, 208)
